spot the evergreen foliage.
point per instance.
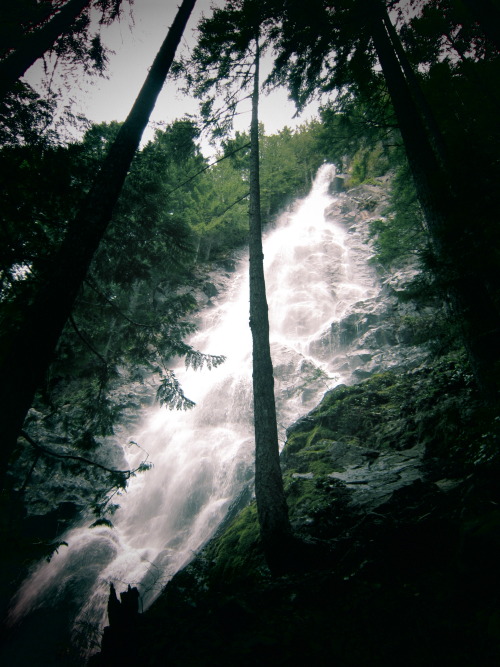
(401, 234)
(63, 34)
(134, 310)
(177, 213)
(336, 48)
(30, 30)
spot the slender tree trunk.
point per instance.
(38, 42)
(451, 232)
(28, 347)
(272, 509)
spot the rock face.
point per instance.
(370, 441)
(391, 483)
(373, 336)
(396, 503)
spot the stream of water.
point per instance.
(203, 458)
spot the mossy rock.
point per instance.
(418, 566)
(433, 405)
(237, 553)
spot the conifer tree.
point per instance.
(335, 47)
(272, 509)
(28, 343)
(26, 46)
(445, 213)
(232, 32)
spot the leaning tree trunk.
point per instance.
(28, 347)
(450, 230)
(33, 20)
(272, 509)
(426, 114)
(38, 42)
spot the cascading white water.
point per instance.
(203, 458)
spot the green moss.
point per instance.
(315, 504)
(424, 560)
(321, 466)
(367, 164)
(389, 411)
(304, 498)
(236, 553)
(351, 414)
(319, 433)
(296, 442)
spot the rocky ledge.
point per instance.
(392, 487)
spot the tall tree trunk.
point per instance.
(272, 509)
(434, 133)
(28, 347)
(450, 229)
(38, 42)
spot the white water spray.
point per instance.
(203, 458)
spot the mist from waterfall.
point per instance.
(203, 458)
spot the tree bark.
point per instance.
(272, 509)
(434, 133)
(427, 173)
(451, 231)
(27, 348)
(38, 42)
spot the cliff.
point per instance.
(392, 489)
(393, 485)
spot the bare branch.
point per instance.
(82, 459)
(87, 342)
(211, 164)
(91, 283)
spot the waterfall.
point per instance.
(203, 458)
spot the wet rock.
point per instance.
(373, 480)
(361, 374)
(304, 423)
(338, 184)
(345, 455)
(228, 265)
(305, 475)
(210, 290)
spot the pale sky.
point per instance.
(135, 47)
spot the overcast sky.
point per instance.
(135, 45)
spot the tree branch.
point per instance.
(87, 342)
(82, 459)
(231, 103)
(211, 164)
(233, 204)
(30, 473)
(90, 282)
